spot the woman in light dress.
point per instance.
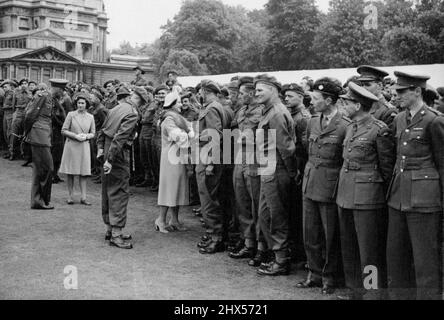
(79, 129)
(173, 181)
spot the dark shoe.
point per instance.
(275, 269)
(85, 203)
(70, 202)
(307, 284)
(109, 235)
(328, 290)
(205, 238)
(236, 246)
(42, 207)
(121, 243)
(213, 247)
(261, 257)
(27, 163)
(204, 243)
(244, 253)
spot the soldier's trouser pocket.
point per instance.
(426, 189)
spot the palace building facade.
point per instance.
(40, 40)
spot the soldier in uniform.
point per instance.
(372, 79)
(114, 144)
(325, 134)
(22, 96)
(8, 111)
(38, 128)
(369, 158)
(140, 81)
(111, 99)
(246, 179)
(277, 139)
(294, 98)
(415, 196)
(58, 140)
(212, 121)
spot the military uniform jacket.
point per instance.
(369, 157)
(325, 149)
(384, 111)
(301, 116)
(190, 114)
(139, 82)
(21, 98)
(418, 179)
(8, 101)
(58, 119)
(38, 118)
(277, 117)
(120, 126)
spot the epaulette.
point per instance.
(380, 124)
(435, 112)
(346, 119)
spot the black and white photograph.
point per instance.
(238, 153)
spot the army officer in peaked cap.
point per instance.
(369, 158)
(372, 79)
(415, 196)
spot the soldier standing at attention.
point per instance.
(114, 144)
(246, 179)
(275, 184)
(369, 158)
(38, 126)
(22, 96)
(294, 98)
(372, 79)
(415, 196)
(8, 111)
(325, 134)
(212, 121)
(111, 99)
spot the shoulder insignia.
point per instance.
(434, 111)
(380, 124)
(346, 119)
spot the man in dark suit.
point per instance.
(415, 196)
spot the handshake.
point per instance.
(81, 137)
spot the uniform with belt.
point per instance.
(115, 139)
(320, 212)
(111, 101)
(8, 112)
(369, 156)
(22, 98)
(246, 179)
(209, 173)
(38, 124)
(415, 199)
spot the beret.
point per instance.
(142, 93)
(210, 85)
(359, 94)
(160, 88)
(293, 87)
(32, 81)
(172, 71)
(270, 80)
(431, 93)
(245, 81)
(108, 82)
(10, 82)
(233, 85)
(58, 83)
(23, 80)
(407, 80)
(440, 91)
(235, 78)
(330, 86)
(123, 91)
(191, 90)
(224, 91)
(369, 73)
(139, 68)
(186, 95)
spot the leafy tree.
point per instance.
(184, 62)
(292, 28)
(342, 40)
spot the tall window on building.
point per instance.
(24, 23)
(86, 51)
(70, 47)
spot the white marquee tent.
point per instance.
(435, 71)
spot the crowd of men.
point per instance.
(357, 190)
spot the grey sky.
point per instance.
(139, 21)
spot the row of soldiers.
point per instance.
(357, 189)
(360, 179)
